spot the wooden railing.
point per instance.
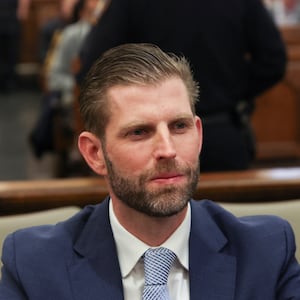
(243, 186)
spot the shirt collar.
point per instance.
(130, 249)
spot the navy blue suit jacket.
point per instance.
(230, 258)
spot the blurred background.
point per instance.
(275, 121)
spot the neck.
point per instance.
(153, 231)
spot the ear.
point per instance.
(90, 147)
(200, 132)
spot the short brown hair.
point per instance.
(129, 64)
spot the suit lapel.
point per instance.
(94, 272)
(212, 271)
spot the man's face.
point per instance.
(152, 145)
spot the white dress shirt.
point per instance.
(130, 250)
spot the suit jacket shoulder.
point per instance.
(251, 257)
(75, 259)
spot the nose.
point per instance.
(164, 147)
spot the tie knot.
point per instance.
(157, 265)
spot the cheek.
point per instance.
(189, 154)
(189, 147)
(129, 160)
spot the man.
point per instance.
(235, 51)
(143, 136)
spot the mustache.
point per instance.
(169, 166)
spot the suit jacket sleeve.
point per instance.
(289, 283)
(10, 286)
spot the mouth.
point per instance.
(168, 178)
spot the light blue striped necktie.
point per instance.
(157, 265)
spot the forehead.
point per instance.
(168, 95)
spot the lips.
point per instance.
(167, 176)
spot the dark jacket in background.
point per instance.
(10, 42)
(8, 15)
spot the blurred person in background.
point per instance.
(60, 75)
(12, 13)
(236, 52)
(285, 12)
(54, 25)
(54, 129)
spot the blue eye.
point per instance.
(180, 125)
(138, 132)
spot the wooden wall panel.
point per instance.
(40, 12)
(276, 118)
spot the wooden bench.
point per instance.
(262, 185)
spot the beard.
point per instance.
(163, 201)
